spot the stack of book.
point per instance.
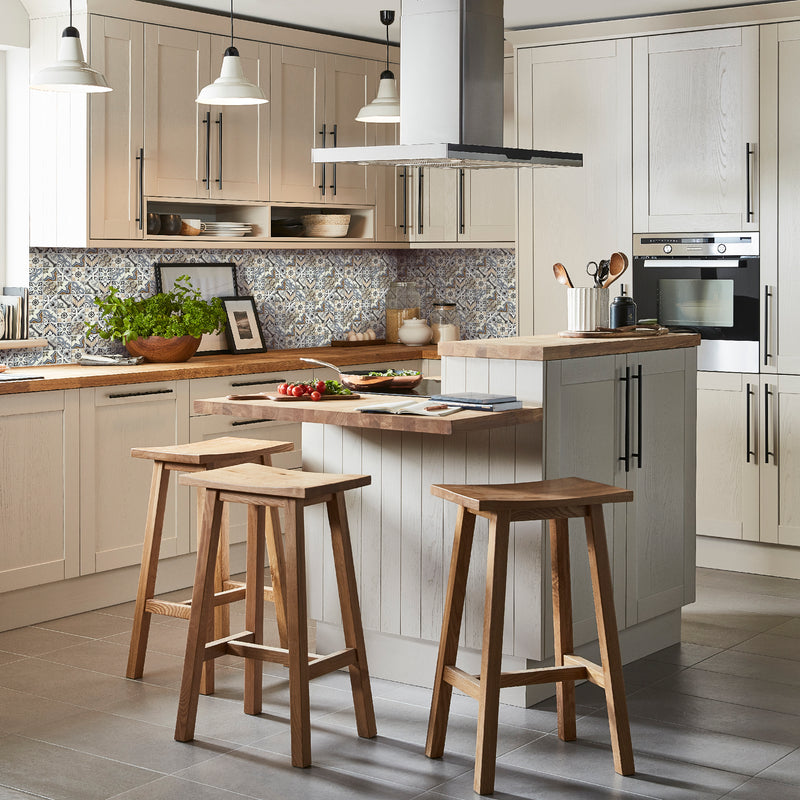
(479, 401)
(14, 313)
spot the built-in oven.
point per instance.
(707, 283)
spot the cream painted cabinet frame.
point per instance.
(696, 131)
(115, 488)
(39, 477)
(573, 97)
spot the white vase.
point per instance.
(415, 332)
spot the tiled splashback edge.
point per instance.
(304, 297)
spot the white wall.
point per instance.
(14, 30)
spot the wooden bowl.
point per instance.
(161, 350)
(326, 225)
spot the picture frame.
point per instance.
(211, 280)
(243, 327)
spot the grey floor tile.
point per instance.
(644, 673)
(787, 770)
(19, 710)
(35, 641)
(712, 635)
(686, 654)
(120, 610)
(172, 788)
(767, 644)
(747, 583)
(92, 624)
(162, 638)
(6, 658)
(790, 628)
(6, 793)
(749, 609)
(761, 789)
(589, 762)
(750, 665)
(62, 774)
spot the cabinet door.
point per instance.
(661, 518)
(240, 134)
(727, 455)
(116, 130)
(695, 121)
(574, 98)
(297, 100)
(434, 217)
(115, 488)
(780, 460)
(177, 133)
(350, 83)
(39, 488)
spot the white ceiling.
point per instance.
(360, 17)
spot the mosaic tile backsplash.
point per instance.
(304, 298)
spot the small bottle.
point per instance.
(445, 323)
(623, 311)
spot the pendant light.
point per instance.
(70, 73)
(386, 105)
(231, 88)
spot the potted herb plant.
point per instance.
(165, 327)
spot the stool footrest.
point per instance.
(594, 672)
(233, 592)
(470, 684)
(322, 665)
(166, 608)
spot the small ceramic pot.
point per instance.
(415, 332)
(170, 224)
(153, 223)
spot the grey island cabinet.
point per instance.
(619, 411)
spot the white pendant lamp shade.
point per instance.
(386, 105)
(231, 88)
(70, 73)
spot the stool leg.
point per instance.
(609, 642)
(147, 575)
(351, 615)
(202, 614)
(277, 565)
(254, 605)
(297, 635)
(492, 653)
(562, 623)
(451, 628)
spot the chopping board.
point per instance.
(613, 334)
(283, 398)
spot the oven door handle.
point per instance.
(703, 263)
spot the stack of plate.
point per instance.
(226, 229)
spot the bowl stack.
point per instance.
(326, 225)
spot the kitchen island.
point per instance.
(619, 411)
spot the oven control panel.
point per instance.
(698, 245)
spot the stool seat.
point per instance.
(255, 479)
(217, 452)
(513, 497)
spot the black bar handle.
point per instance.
(749, 152)
(627, 457)
(420, 180)
(767, 452)
(748, 416)
(461, 201)
(248, 422)
(237, 384)
(334, 133)
(324, 134)
(207, 123)
(404, 178)
(140, 193)
(219, 146)
(638, 454)
(767, 297)
(117, 395)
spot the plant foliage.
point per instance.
(180, 312)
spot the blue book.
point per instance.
(475, 398)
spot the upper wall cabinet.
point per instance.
(695, 131)
(315, 99)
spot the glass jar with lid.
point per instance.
(445, 323)
(402, 303)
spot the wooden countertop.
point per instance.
(73, 376)
(344, 413)
(555, 348)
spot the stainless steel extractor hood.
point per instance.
(451, 93)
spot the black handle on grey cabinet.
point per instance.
(404, 178)
(334, 133)
(419, 201)
(767, 451)
(118, 395)
(748, 414)
(140, 193)
(749, 152)
(461, 201)
(219, 147)
(324, 134)
(627, 457)
(638, 454)
(767, 297)
(247, 422)
(237, 384)
(207, 123)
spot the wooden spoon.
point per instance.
(618, 263)
(562, 276)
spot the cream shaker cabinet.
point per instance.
(696, 131)
(574, 97)
(39, 475)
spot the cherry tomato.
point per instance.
(282, 388)
(297, 391)
(320, 387)
(316, 396)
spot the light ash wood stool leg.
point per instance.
(603, 589)
(254, 605)
(562, 624)
(451, 628)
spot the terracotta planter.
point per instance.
(161, 350)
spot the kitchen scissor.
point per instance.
(598, 272)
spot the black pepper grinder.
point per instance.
(623, 311)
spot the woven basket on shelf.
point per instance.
(327, 225)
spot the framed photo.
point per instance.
(243, 328)
(211, 280)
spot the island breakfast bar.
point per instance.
(616, 411)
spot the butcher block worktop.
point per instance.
(556, 348)
(73, 376)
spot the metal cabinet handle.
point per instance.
(419, 200)
(627, 457)
(748, 417)
(219, 146)
(324, 134)
(118, 395)
(334, 133)
(749, 153)
(140, 193)
(207, 123)
(404, 178)
(638, 454)
(767, 452)
(237, 384)
(767, 298)
(248, 422)
(461, 201)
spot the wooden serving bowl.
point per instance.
(161, 350)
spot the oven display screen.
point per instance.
(695, 303)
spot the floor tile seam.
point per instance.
(25, 791)
(196, 783)
(776, 780)
(796, 684)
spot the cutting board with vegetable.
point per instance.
(303, 390)
(287, 398)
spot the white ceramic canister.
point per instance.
(415, 331)
(587, 308)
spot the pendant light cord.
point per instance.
(70, 16)
(231, 22)
(387, 44)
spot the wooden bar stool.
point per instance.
(196, 457)
(259, 488)
(557, 501)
